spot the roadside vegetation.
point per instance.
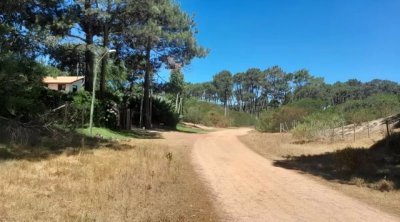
(108, 134)
(183, 128)
(291, 101)
(209, 114)
(51, 167)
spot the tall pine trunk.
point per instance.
(176, 102)
(147, 79)
(104, 61)
(89, 55)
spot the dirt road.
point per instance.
(247, 187)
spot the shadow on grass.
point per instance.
(140, 134)
(34, 144)
(121, 134)
(375, 166)
(189, 129)
(50, 144)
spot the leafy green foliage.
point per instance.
(239, 119)
(186, 129)
(266, 123)
(213, 115)
(318, 125)
(176, 82)
(271, 120)
(163, 113)
(309, 105)
(22, 93)
(373, 107)
(223, 84)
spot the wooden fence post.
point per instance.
(387, 128)
(343, 131)
(354, 131)
(66, 113)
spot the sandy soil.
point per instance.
(247, 187)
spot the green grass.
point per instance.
(186, 129)
(117, 135)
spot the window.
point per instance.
(61, 87)
(74, 88)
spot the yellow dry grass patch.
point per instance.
(276, 146)
(148, 182)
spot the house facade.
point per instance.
(65, 84)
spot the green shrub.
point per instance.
(193, 115)
(265, 122)
(216, 119)
(241, 119)
(317, 125)
(209, 114)
(270, 120)
(309, 105)
(373, 107)
(163, 112)
(80, 109)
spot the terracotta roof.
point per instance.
(62, 79)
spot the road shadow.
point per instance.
(376, 167)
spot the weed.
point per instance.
(384, 185)
(360, 182)
(169, 157)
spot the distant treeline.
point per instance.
(256, 90)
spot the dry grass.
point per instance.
(278, 146)
(328, 163)
(144, 181)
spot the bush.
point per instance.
(193, 115)
(80, 109)
(317, 125)
(107, 111)
(216, 119)
(309, 105)
(241, 119)
(270, 120)
(265, 122)
(22, 93)
(371, 108)
(163, 112)
(209, 114)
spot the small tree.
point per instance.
(223, 83)
(176, 86)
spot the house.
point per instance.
(64, 83)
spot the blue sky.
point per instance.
(335, 39)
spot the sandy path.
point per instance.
(248, 187)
